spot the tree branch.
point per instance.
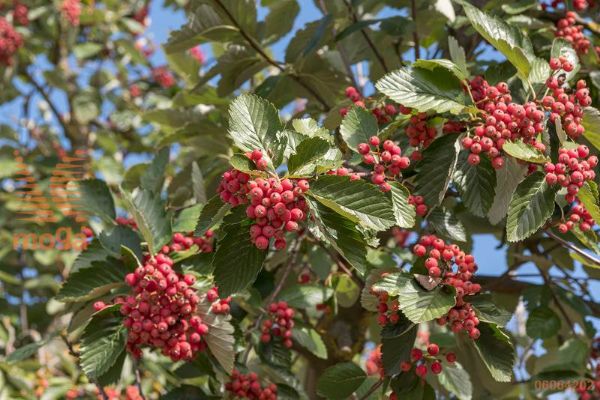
(256, 46)
(413, 8)
(576, 249)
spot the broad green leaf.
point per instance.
(198, 184)
(96, 199)
(102, 342)
(562, 48)
(591, 123)
(87, 50)
(92, 282)
(505, 38)
(524, 152)
(519, 6)
(442, 63)
(148, 211)
(184, 65)
(341, 233)
(507, 180)
(280, 19)
(572, 355)
(308, 39)
(542, 323)
(212, 214)
(539, 73)
(357, 200)
(347, 291)
(242, 163)
(305, 296)
(457, 54)
(357, 127)
(237, 260)
(403, 211)
(445, 223)
(310, 154)
(436, 169)
(310, 340)
(392, 283)
(588, 195)
(220, 338)
(187, 220)
(531, 205)
(154, 176)
(24, 352)
(254, 124)
(396, 343)
(476, 184)
(489, 311)
(117, 236)
(456, 380)
(496, 351)
(424, 89)
(340, 381)
(420, 305)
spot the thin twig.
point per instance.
(138, 380)
(46, 97)
(564, 313)
(372, 390)
(413, 7)
(256, 46)
(366, 36)
(574, 248)
(77, 355)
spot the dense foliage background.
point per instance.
(290, 212)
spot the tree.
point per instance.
(299, 223)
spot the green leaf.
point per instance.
(562, 48)
(305, 296)
(237, 260)
(540, 71)
(525, 152)
(445, 223)
(24, 352)
(420, 305)
(442, 63)
(340, 381)
(436, 169)
(211, 215)
(457, 54)
(254, 124)
(496, 351)
(220, 340)
(102, 342)
(572, 355)
(154, 176)
(280, 19)
(187, 219)
(357, 200)
(357, 127)
(117, 236)
(92, 282)
(396, 343)
(309, 155)
(456, 380)
(392, 283)
(507, 180)
(198, 184)
(489, 311)
(341, 233)
(96, 199)
(542, 323)
(310, 340)
(184, 65)
(424, 89)
(87, 50)
(591, 123)
(530, 207)
(476, 184)
(589, 197)
(347, 291)
(85, 106)
(403, 211)
(505, 38)
(148, 211)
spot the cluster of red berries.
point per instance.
(577, 215)
(387, 163)
(135, 90)
(141, 15)
(163, 77)
(276, 206)
(247, 386)
(279, 323)
(420, 361)
(419, 203)
(161, 311)
(127, 221)
(401, 236)
(573, 169)
(71, 10)
(579, 5)
(503, 120)
(342, 171)
(218, 305)
(585, 390)
(388, 310)
(374, 363)
(461, 317)
(181, 242)
(420, 135)
(259, 160)
(197, 54)
(566, 106)
(568, 29)
(10, 42)
(20, 13)
(383, 113)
